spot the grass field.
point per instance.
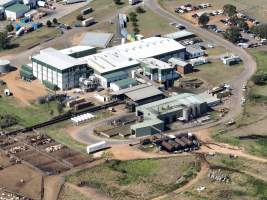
(247, 181)
(138, 179)
(150, 24)
(216, 72)
(102, 8)
(27, 116)
(25, 41)
(256, 8)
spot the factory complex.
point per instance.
(137, 73)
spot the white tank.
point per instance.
(4, 66)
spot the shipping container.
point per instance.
(86, 11)
(88, 22)
(96, 147)
(83, 105)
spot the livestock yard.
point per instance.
(42, 152)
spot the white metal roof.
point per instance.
(156, 64)
(76, 49)
(57, 59)
(147, 48)
(108, 61)
(128, 54)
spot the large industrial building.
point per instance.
(128, 57)
(111, 65)
(158, 114)
(56, 69)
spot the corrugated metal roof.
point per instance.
(18, 8)
(147, 123)
(96, 39)
(143, 93)
(115, 74)
(56, 59)
(179, 34)
(177, 61)
(125, 82)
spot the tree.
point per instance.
(136, 30)
(79, 18)
(260, 30)
(229, 10)
(203, 20)
(59, 108)
(9, 28)
(135, 24)
(140, 10)
(117, 2)
(133, 17)
(232, 34)
(48, 23)
(55, 21)
(4, 41)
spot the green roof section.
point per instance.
(147, 123)
(125, 82)
(18, 8)
(115, 74)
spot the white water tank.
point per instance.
(4, 66)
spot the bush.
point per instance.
(48, 23)
(140, 10)
(9, 28)
(259, 79)
(7, 120)
(80, 18)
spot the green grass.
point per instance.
(30, 115)
(102, 8)
(216, 72)
(27, 40)
(137, 179)
(150, 23)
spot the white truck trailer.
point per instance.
(96, 147)
(88, 22)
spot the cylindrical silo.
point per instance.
(4, 66)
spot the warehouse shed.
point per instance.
(181, 66)
(6, 3)
(16, 11)
(180, 35)
(122, 84)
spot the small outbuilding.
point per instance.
(16, 11)
(122, 84)
(182, 67)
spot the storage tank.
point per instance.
(4, 66)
